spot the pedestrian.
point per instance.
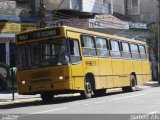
(3, 84)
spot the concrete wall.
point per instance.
(93, 6)
(17, 8)
(149, 10)
(119, 6)
(145, 10)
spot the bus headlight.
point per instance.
(61, 78)
(23, 82)
(58, 78)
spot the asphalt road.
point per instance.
(146, 101)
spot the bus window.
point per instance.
(142, 52)
(125, 50)
(102, 49)
(115, 51)
(88, 46)
(74, 51)
(50, 53)
(134, 51)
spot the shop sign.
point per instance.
(79, 23)
(138, 25)
(108, 21)
(16, 27)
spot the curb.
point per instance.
(152, 84)
(8, 102)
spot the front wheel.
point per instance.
(132, 86)
(87, 93)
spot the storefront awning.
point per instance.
(17, 18)
(7, 35)
(7, 38)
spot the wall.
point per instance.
(119, 6)
(17, 8)
(145, 10)
(93, 6)
(149, 11)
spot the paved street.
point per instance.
(144, 101)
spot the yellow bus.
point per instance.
(64, 59)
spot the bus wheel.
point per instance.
(132, 86)
(47, 97)
(87, 93)
(100, 92)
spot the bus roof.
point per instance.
(83, 31)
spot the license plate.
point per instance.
(41, 89)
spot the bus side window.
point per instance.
(126, 53)
(102, 47)
(74, 51)
(135, 51)
(115, 50)
(88, 46)
(142, 50)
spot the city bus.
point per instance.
(61, 59)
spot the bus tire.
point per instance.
(100, 92)
(88, 89)
(132, 87)
(47, 97)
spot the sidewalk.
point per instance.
(6, 98)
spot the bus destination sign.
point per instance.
(38, 34)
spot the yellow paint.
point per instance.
(108, 72)
(8, 27)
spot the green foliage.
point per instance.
(152, 39)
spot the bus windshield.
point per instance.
(42, 54)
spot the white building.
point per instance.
(138, 10)
(66, 9)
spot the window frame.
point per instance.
(95, 49)
(135, 53)
(127, 52)
(107, 47)
(141, 54)
(120, 55)
(70, 56)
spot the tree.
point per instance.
(152, 39)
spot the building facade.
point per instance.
(137, 10)
(60, 10)
(16, 16)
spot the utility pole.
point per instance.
(42, 13)
(159, 42)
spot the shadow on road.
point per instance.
(57, 100)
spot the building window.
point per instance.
(2, 52)
(76, 4)
(135, 2)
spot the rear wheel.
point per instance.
(47, 97)
(132, 86)
(87, 93)
(100, 92)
